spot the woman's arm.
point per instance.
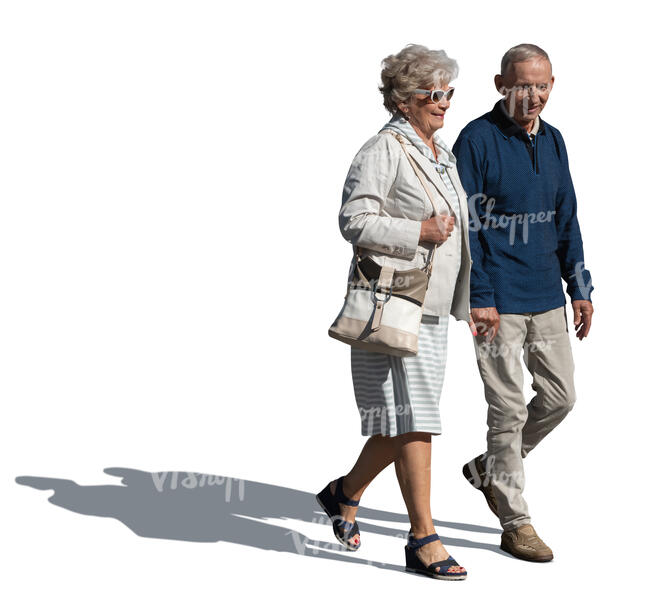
(369, 180)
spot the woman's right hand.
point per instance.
(437, 229)
(487, 321)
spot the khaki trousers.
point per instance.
(514, 427)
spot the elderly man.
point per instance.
(525, 239)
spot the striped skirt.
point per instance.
(397, 394)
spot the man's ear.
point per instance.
(552, 81)
(498, 82)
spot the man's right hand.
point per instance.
(437, 229)
(487, 321)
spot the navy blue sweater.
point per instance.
(523, 226)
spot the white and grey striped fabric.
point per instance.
(401, 394)
(396, 394)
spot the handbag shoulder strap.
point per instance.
(417, 169)
(418, 172)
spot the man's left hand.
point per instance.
(582, 313)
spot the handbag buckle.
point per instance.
(374, 293)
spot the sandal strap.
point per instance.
(341, 497)
(415, 544)
(448, 562)
(347, 529)
(345, 525)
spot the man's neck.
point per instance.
(527, 126)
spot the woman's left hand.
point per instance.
(472, 326)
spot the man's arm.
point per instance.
(569, 250)
(569, 238)
(471, 173)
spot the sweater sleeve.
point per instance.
(470, 169)
(362, 218)
(569, 238)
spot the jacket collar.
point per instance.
(401, 125)
(504, 122)
(423, 156)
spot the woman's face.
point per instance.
(425, 114)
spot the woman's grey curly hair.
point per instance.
(415, 66)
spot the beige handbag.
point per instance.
(382, 310)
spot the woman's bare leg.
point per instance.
(411, 453)
(413, 469)
(378, 453)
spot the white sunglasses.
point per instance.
(437, 95)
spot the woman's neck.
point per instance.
(427, 137)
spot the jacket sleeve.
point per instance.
(362, 218)
(569, 238)
(470, 169)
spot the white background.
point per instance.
(171, 175)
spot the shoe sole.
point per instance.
(538, 559)
(437, 576)
(340, 541)
(467, 473)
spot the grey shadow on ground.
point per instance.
(196, 507)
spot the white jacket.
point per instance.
(383, 206)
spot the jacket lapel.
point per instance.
(427, 168)
(462, 201)
(458, 186)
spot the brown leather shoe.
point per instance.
(474, 472)
(524, 543)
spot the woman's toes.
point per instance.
(454, 569)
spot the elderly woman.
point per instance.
(387, 213)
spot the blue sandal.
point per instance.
(344, 530)
(415, 564)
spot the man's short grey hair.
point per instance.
(522, 52)
(415, 66)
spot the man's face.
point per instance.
(526, 86)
